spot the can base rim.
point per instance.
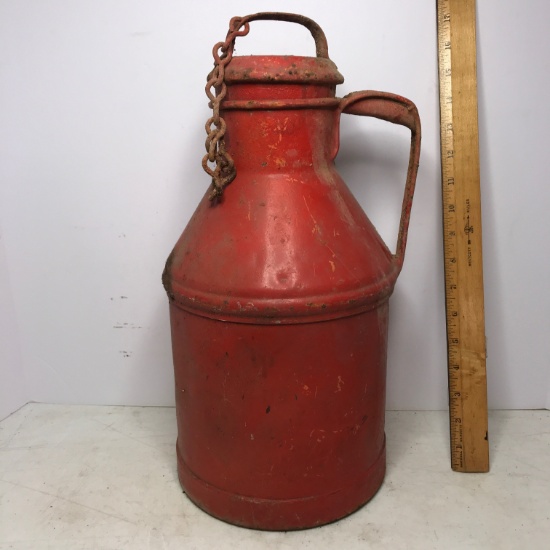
(283, 515)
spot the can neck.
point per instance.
(277, 92)
(280, 140)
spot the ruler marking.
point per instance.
(462, 235)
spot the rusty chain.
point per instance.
(224, 172)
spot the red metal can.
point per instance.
(278, 295)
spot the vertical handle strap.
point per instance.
(398, 110)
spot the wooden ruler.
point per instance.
(462, 235)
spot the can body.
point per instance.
(279, 316)
(280, 426)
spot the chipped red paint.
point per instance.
(279, 308)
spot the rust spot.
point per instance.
(271, 311)
(167, 278)
(311, 304)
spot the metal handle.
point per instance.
(398, 110)
(316, 31)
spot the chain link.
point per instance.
(224, 171)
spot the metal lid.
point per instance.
(282, 69)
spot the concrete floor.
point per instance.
(74, 477)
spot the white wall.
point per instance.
(102, 108)
(13, 385)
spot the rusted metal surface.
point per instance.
(279, 306)
(301, 70)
